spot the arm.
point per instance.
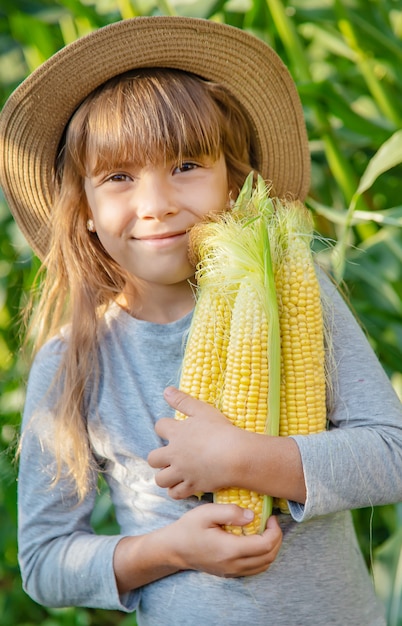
(196, 542)
(64, 563)
(201, 449)
(357, 463)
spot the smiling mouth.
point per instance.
(161, 236)
(161, 239)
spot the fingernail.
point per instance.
(248, 514)
(168, 392)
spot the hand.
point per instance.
(196, 541)
(194, 460)
(200, 543)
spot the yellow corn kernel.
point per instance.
(245, 392)
(303, 386)
(204, 360)
(303, 380)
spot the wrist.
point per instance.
(243, 454)
(269, 465)
(143, 559)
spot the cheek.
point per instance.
(222, 191)
(213, 199)
(110, 247)
(218, 201)
(110, 220)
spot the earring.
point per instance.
(231, 202)
(90, 226)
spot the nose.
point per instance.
(153, 197)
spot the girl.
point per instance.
(112, 151)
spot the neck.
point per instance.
(160, 304)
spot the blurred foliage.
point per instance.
(346, 58)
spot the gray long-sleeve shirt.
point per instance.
(319, 577)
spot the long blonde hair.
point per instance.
(138, 116)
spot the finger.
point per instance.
(273, 533)
(263, 546)
(273, 524)
(182, 402)
(158, 458)
(227, 515)
(251, 565)
(167, 478)
(273, 529)
(165, 426)
(183, 489)
(255, 553)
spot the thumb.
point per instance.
(227, 514)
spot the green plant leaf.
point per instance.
(388, 156)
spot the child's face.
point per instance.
(142, 215)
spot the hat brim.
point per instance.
(34, 117)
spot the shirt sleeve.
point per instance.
(63, 562)
(357, 462)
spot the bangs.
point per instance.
(144, 117)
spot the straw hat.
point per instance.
(34, 117)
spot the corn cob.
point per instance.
(303, 405)
(236, 263)
(303, 380)
(204, 363)
(245, 394)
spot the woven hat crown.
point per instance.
(34, 118)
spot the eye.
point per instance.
(186, 166)
(119, 177)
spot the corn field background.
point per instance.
(346, 58)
